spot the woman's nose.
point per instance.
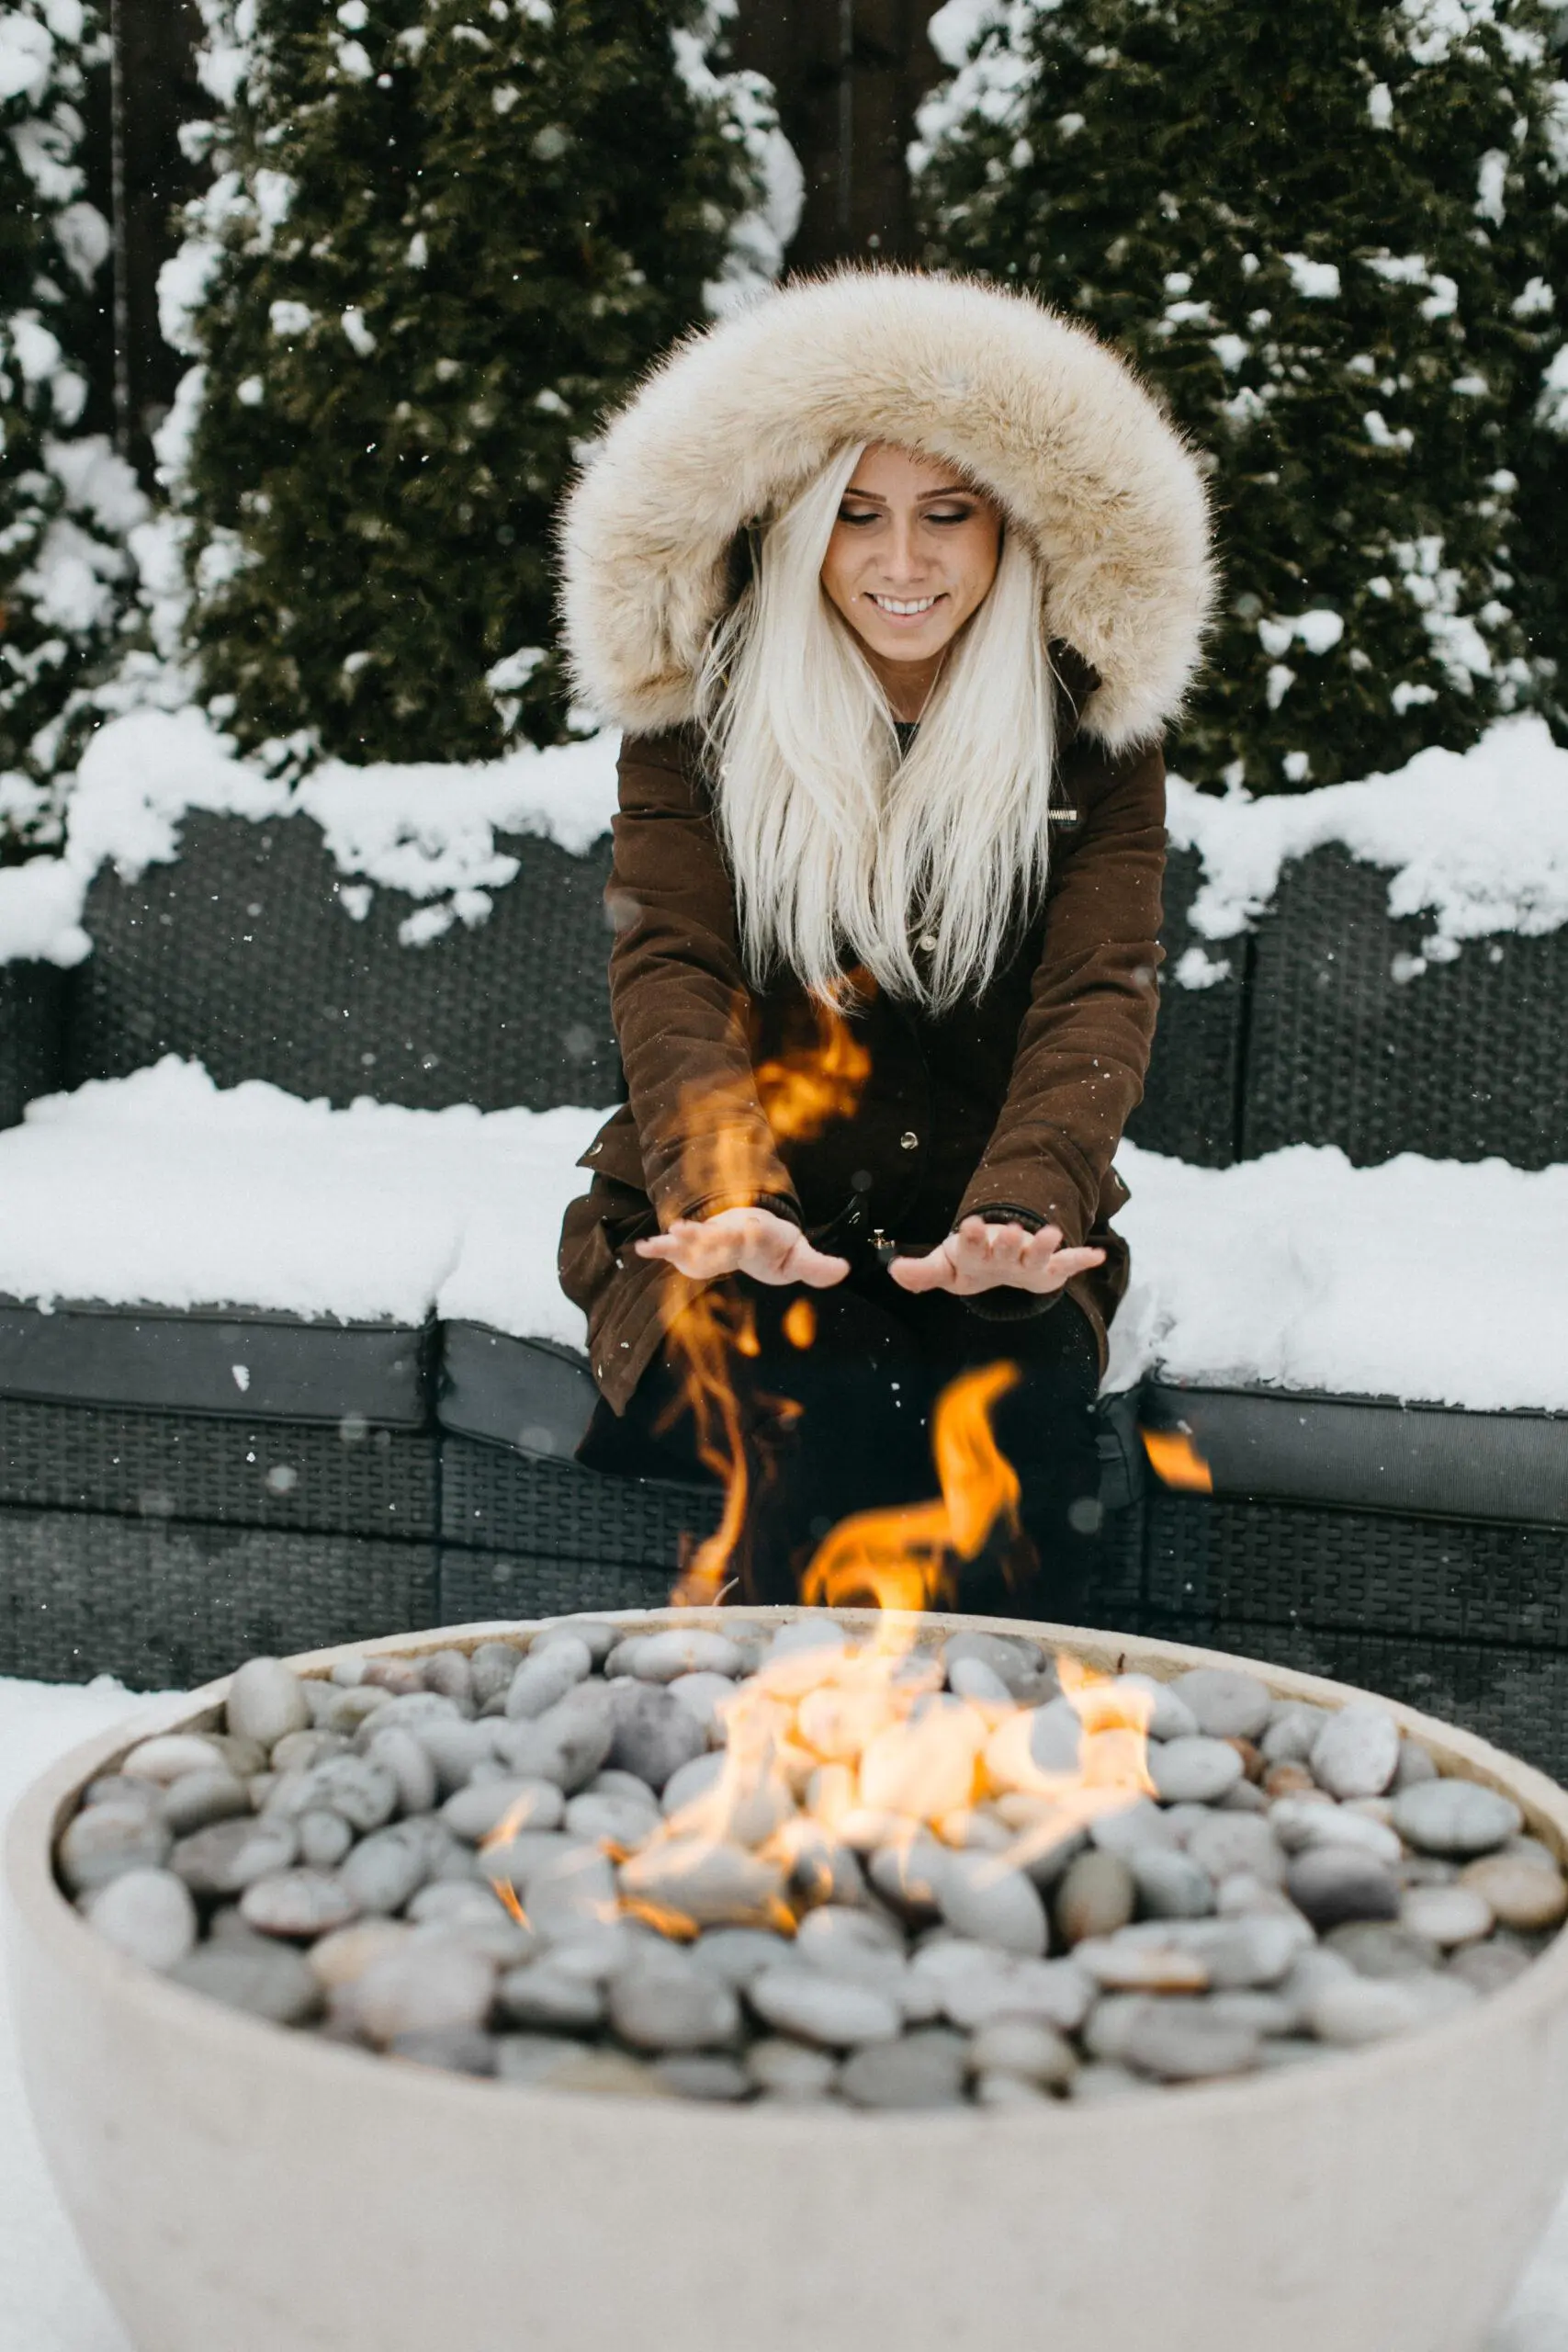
(904, 557)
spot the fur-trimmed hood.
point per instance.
(736, 420)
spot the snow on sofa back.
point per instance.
(1401, 948)
(423, 935)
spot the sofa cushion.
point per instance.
(218, 1360)
(164, 1242)
(1369, 1453)
(534, 1395)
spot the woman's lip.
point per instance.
(873, 593)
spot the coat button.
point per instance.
(928, 943)
(909, 1140)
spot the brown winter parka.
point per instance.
(1013, 1103)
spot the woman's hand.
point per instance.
(995, 1257)
(744, 1241)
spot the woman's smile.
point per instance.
(902, 608)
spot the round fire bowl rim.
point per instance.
(36, 1898)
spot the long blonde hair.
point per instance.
(842, 849)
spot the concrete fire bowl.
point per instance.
(239, 2187)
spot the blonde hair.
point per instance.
(842, 848)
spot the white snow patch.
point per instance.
(40, 907)
(163, 1189)
(26, 55)
(1197, 969)
(1317, 282)
(1298, 1271)
(1477, 839)
(426, 829)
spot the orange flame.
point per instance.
(885, 1768)
(800, 1091)
(800, 1323)
(1176, 1462)
(907, 1557)
(704, 1333)
(506, 1828)
(803, 1089)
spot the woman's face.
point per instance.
(913, 553)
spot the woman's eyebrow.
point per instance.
(958, 489)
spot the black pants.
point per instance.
(842, 1424)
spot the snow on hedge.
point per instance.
(1477, 839)
(1434, 1281)
(426, 829)
(163, 1189)
(1297, 1270)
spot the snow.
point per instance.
(1475, 841)
(1298, 1271)
(757, 239)
(52, 2302)
(41, 907)
(165, 1189)
(1316, 281)
(27, 54)
(427, 830)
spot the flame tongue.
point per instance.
(840, 1762)
(908, 1558)
(1175, 1461)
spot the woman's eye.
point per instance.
(950, 514)
(866, 514)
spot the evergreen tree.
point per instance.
(443, 236)
(1539, 435)
(1316, 229)
(66, 501)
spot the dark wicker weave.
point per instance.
(1191, 1098)
(33, 998)
(1464, 1618)
(1462, 1580)
(1516, 1698)
(164, 1604)
(242, 955)
(495, 1500)
(351, 1480)
(478, 1586)
(1468, 1059)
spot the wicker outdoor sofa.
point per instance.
(159, 1522)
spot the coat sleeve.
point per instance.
(678, 997)
(1083, 1045)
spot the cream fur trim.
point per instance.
(736, 419)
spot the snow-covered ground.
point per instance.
(49, 2301)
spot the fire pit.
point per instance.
(268, 2190)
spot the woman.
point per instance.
(892, 582)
